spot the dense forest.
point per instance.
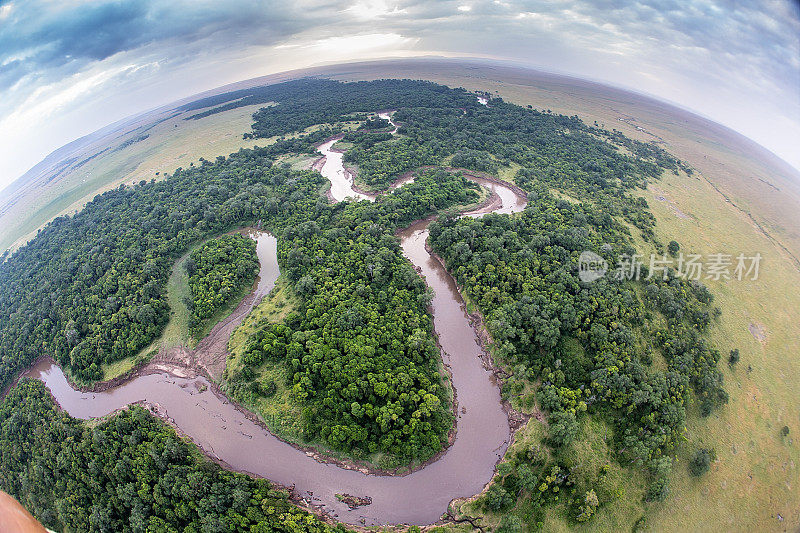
(218, 271)
(589, 347)
(359, 352)
(90, 288)
(128, 473)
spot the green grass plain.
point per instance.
(170, 144)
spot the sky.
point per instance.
(70, 67)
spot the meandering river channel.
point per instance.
(224, 432)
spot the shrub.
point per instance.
(563, 428)
(701, 462)
(673, 248)
(588, 507)
(497, 498)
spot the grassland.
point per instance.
(279, 412)
(756, 476)
(170, 144)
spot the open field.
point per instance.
(133, 157)
(757, 473)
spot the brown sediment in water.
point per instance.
(14, 517)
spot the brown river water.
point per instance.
(225, 433)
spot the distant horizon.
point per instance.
(69, 69)
(255, 81)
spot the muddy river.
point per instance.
(333, 168)
(225, 433)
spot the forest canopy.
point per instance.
(359, 353)
(128, 473)
(218, 271)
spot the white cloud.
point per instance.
(373, 9)
(5, 10)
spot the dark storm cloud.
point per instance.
(46, 40)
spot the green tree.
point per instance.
(701, 462)
(673, 248)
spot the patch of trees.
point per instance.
(375, 123)
(308, 102)
(360, 349)
(530, 479)
(474, 159)
(90, 288)
(589, 345)
(219, 270)
(131, 472)
(366, 139)
(380, 163)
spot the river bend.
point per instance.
(226, 434)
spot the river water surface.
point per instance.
(225, 433)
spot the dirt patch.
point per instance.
(660, 195)
(759, 331)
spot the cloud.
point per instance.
(62, 38)
(69, 67)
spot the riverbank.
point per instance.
(187, 396)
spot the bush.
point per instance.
(563, 428)
(673, 248)
(733, 358)
(497, 498)
(587, 507)
(701, 462)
